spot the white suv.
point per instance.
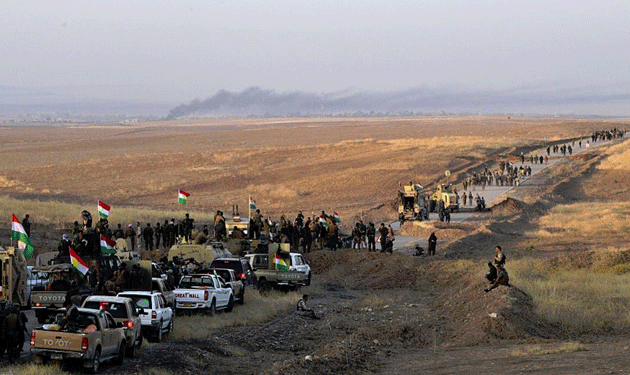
(157, 318)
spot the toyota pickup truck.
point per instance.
(274, 270)
(204, 292)
(62, 278)
(124, 311)
(94, 338)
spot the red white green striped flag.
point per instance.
(252, 203)
(183, 197)
(281, 264)
(103, 210)
(336, 217)
(107, 245)
(78, 263)
(19, 234)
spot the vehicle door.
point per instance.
(135, 318)
(223, 290)
(167, 313)
(109, 334)
(299, 264)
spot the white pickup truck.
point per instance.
(205, 292)
(156, 316)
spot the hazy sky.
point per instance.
(183, 49)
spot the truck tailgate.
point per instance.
(47, 298)
(292, 276)
(56, 340)
(189, 295)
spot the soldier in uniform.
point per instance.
(332, 234)
(257, 225)
(64, 247)
(188, 226)
(147, 234)
(356, 236)
(306, 236)
(383, 232)
(119, 232)
(173, 232)
(130, 234)
(139, 234)
(432, 243)
(363, 233)
(304, 309)
(499, 259)
(12, 330)
(237, 233)
(502, 279)
(158, 235)
(166, 232)
(371, 235)
(26, 224)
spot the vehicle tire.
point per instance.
(121, 355)
(96, 362)
(131, 352)
(263, 286)
(308, 280)
(230, 305)
(213, 308)
(241, 300)
(158, 334)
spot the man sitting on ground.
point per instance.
(303, 308)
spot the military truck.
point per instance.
(443, 199)
(273, 269)
(201, 253)
(62, 278)
(13, 276)
(412, 203)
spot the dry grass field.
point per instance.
(565, 235)
(351, 166)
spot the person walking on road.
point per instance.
(432, 243)
(383, 235)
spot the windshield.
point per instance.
(225, 274)
(143, 302)
(189, 282)
(231, 264)
(117, 310)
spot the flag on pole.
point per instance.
(183, 197)
(78, 263)
(323, 222)
(252, 204)
(19, 234)
(107, 245)
(280, 263)
(336, 217)
(103, 210)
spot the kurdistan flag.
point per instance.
(103, 210)
(336, 217)
(107, 245)
(183, 196)
(19, 234)
(252, 203)
(280, 264)
(78, 263)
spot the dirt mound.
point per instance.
(509, 205)
(442, 230)
(506, 313)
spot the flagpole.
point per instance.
(249, 209)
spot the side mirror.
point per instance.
(119, 325)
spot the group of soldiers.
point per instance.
(12, 329)
(155, 237)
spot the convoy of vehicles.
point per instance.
(95, 338)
